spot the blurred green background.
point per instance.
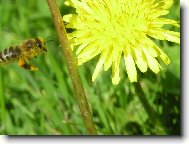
(43, 102)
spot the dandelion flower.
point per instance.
(116, 28)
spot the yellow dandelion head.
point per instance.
(112, 28)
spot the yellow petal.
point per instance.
(151, 51)
(68, 3)
(159, 12)
(165, 4)
(140, 60)
(163, 34)
(115, 70)
(163, 56)
(163, 21)
(152, 62)
(81, 47)
(108, 61)
(97, 69)
(87, 55)
(130, 68)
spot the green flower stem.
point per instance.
(72, 67)
(2, 102)
(159, 129)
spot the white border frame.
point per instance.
(133, 140)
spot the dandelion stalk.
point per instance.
(72, 67)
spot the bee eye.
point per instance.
(39, 45)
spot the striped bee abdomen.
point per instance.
(9, 54)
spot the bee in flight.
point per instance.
(24, 53)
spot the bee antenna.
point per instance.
(48, 41)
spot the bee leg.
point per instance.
(22, 63)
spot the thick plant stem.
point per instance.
(72, 67)
(149, 110)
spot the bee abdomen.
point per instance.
(9, 54)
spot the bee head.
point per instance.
(40, 44)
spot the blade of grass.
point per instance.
(149, 110)
(2, 101)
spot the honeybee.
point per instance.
(24, 53)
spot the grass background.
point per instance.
(43, 102)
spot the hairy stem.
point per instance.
(72, 67)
